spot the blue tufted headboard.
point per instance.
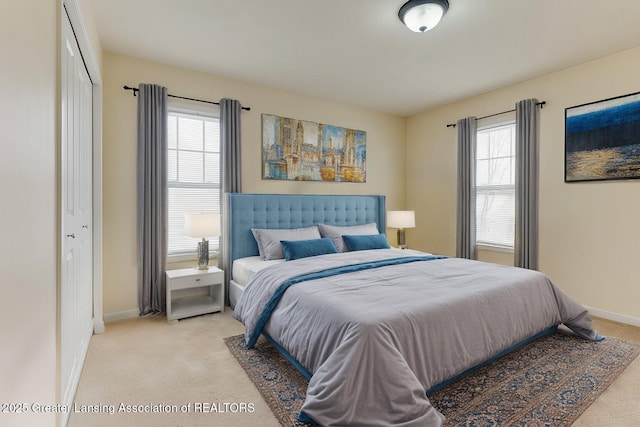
(247, 211)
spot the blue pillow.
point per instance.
(362, 243)
(296, 249)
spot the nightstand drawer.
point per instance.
(196, 281)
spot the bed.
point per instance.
(375, 329)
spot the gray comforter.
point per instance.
(376, 340)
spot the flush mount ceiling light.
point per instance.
(422, 15)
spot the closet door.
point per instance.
(76, 294)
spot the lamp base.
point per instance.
(203, 254)
(401, 241)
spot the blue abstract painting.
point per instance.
(602, 140)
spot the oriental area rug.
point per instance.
(550, 381)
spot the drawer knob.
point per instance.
(197, 280)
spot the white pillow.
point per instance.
(268, 239)
(336, 232)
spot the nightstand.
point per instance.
(191, 292)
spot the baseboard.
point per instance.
(621, 318)
(98, 326)
(121, 315)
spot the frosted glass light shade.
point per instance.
(422, 15)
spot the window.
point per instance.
(193, 176)
(495, 186)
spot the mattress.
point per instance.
(244, 268)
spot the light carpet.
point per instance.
(149, 360)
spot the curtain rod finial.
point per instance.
(133, 89)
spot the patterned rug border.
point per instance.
(594, 367)
(285, 403)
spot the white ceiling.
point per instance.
(358, 51)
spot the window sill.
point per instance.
(494, 248)
(181, 258)
(189, 257)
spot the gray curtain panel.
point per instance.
(466, 210)
(526, 232)
(230, 138)
(152, 198)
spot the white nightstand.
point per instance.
(191, 292)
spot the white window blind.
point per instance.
(193, 176)
(495, 186)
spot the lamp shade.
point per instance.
(401, 219)
(422, 15)
(201, 225)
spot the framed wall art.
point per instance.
(602, 140)
(301, 150)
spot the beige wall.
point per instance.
(589, 232)
(385, 153)
(28, 217)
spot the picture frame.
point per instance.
(602, 140)
(302, 150)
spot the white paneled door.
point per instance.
(76, 291)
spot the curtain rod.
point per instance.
(541, 104)
(135, 93)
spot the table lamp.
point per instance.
(202, 225)
(401, 220)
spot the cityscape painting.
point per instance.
(301, 150)
(602, 140)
